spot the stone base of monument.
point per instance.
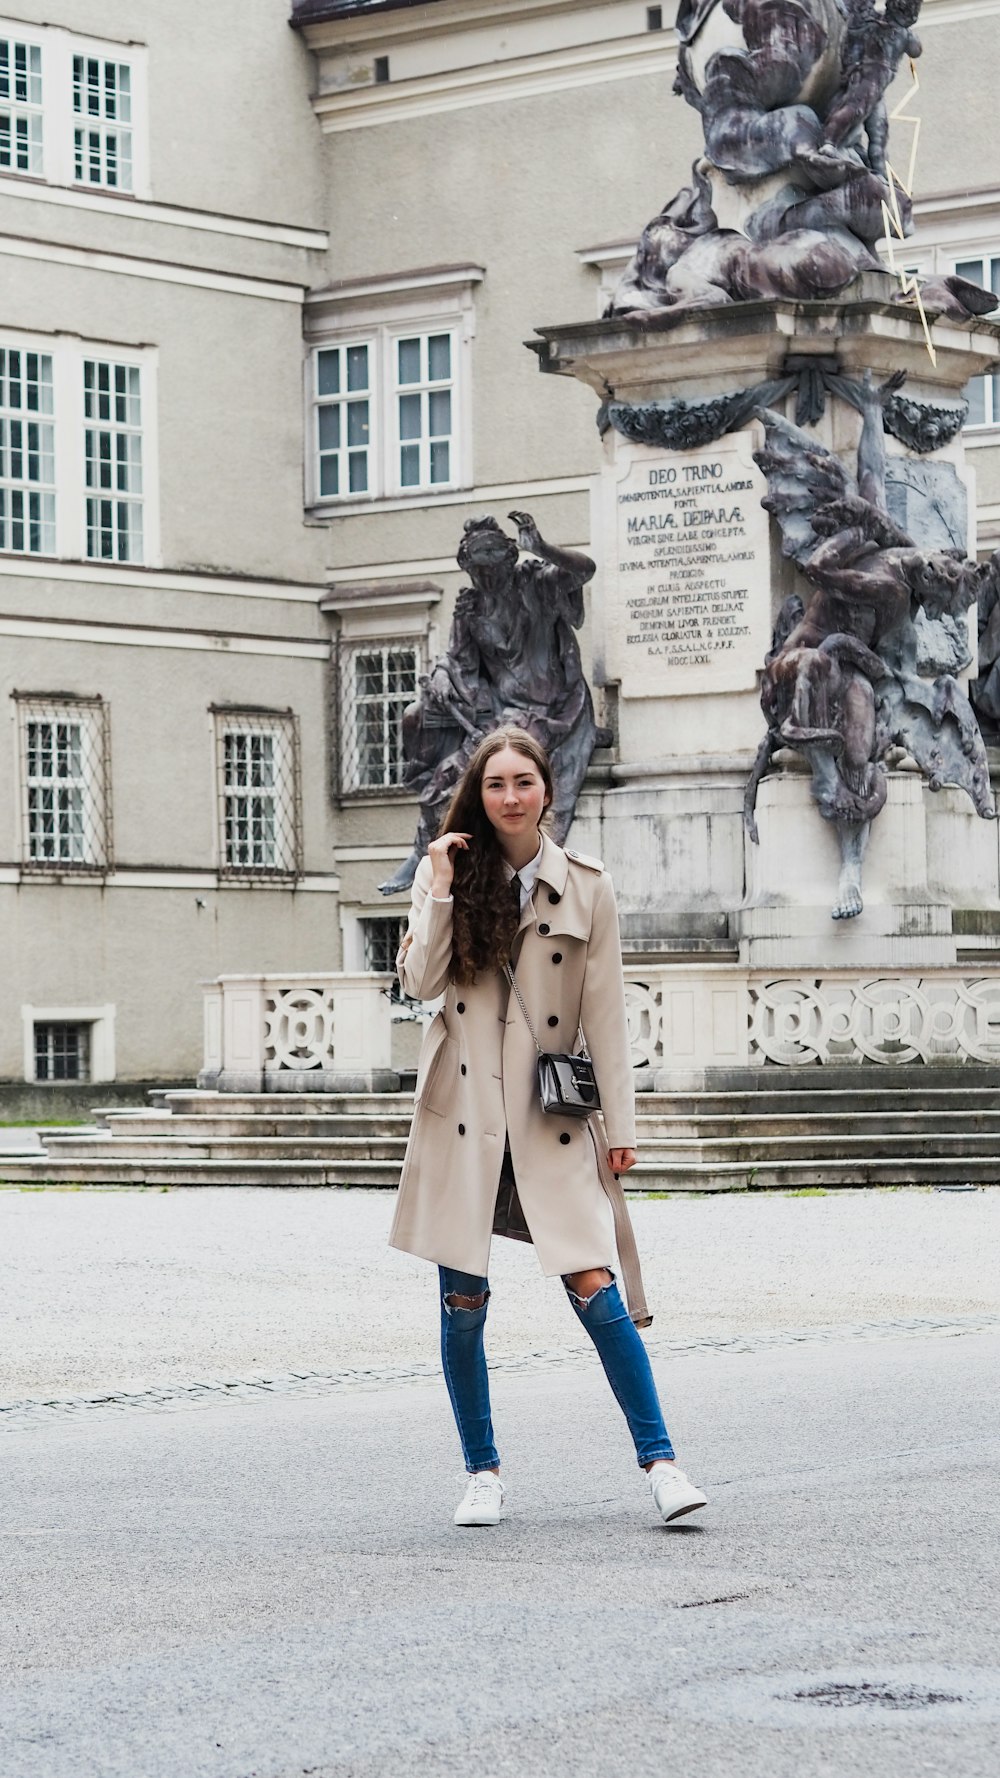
(735, 968)
(927, 856)
(722, 1000)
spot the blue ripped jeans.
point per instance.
(621, 1351)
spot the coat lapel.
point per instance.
(570, 914)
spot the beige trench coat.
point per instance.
(476, 1081)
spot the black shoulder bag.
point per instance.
(567, 1085)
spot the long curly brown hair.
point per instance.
(483, 918)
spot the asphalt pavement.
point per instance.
(272, 1587)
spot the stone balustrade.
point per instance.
(687, 1022)
(317, 1032)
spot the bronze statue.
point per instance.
(512, 657)
(985, 689)
(791, 98)
(849, 673)
(875, 44)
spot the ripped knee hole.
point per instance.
(583, 1287)
(454, 1301)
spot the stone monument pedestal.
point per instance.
(690, 580)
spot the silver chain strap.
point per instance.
(510, 977)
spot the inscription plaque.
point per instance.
(691, 598)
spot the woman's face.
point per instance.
(513, 793)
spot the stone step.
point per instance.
(655, 1177)
(192, 1103)
(694, 1142)
(129, 1126)
(115, 1170)
(930, 1101)
(958, 1093)
(913, 1077)
(213, 1129)
(90, 1144)
(794, 1103)
(873, 1126)
(754, 1149)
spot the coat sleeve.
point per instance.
(424, 957)
(604, 1020)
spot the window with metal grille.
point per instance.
(260, 793)
(27, 453)
(377, 681)
(112, 406)
(382, 939)
(20, 107)
(65, 783)
(102, 129)
(983, 393)
(62, 1052)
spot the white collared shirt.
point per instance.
(528, 874)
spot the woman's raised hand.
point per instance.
(442, 862)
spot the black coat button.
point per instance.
(464, 1069)
(544, 930)
(461, 1129)
(554, 898)
(552, 1020)
(461, 1006)
(557, 956)
(565, 1137)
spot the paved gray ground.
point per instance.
(269, 1590)
(225, 1539)
(132, 1290)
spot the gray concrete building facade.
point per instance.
(266, 281)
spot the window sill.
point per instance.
(975, 437)
(371, 797)
(277, 880)
(87, 874)
(38, 555)
(322, 511)
(76, 186)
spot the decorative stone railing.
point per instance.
(333, 1033)
(298, 1033)
(716, 1016)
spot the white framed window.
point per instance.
(258, 769)
(400, 388)
(102, 122)
(388, 387)
(74, 109)
(27, 453)
(20, 106)
(423, 409)
(377, 680)
(77, 450)
(65, 783)
(983, 393)
(112, 411)
(343, 416)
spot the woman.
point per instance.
(482, 1156)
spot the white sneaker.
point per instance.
(482, 1500)
(673, 1495)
